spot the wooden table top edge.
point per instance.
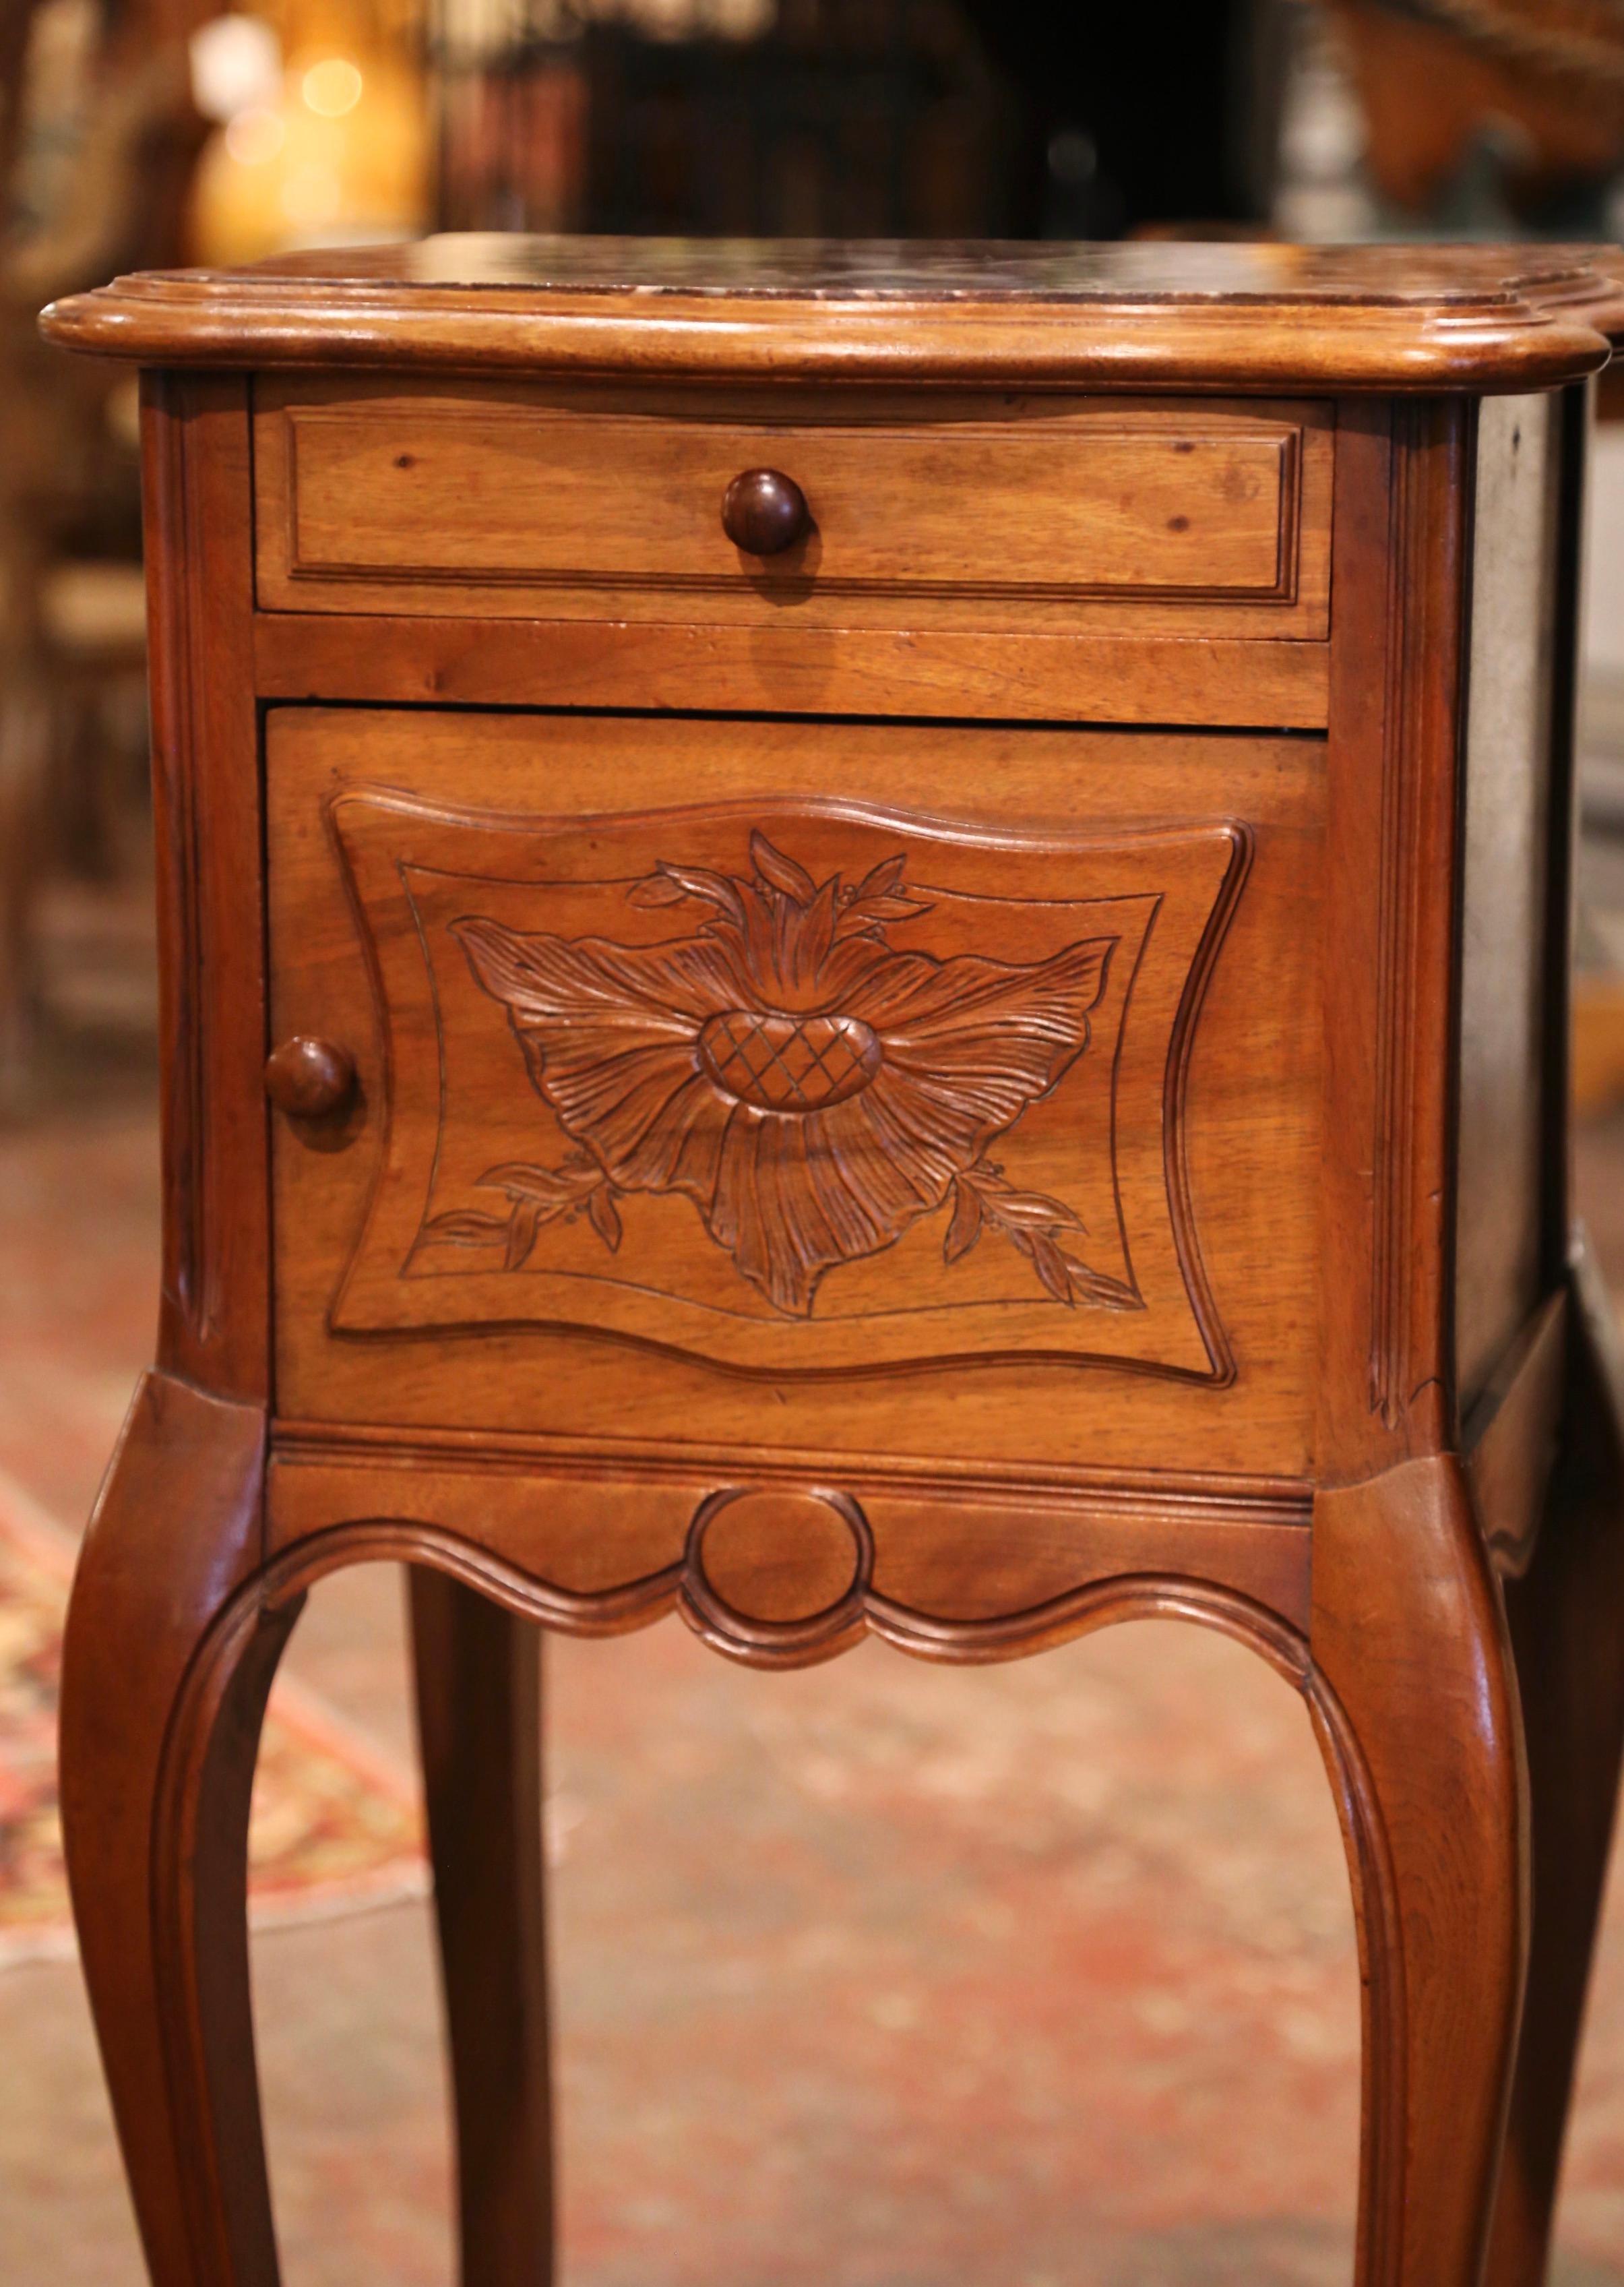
(1512, 318)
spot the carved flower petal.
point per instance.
(784, 1207)
(943, 1122)
(795, 1196)
(946, 1002)
(781, 1253)
(665, 991)
(629, 1107)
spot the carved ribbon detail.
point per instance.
(811, 1088)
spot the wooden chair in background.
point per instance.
(72, 611)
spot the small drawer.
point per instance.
(985, 512)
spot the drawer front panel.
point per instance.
(532, 503)
(794, 1083)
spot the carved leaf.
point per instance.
(814, 936)
(890, 909)
(524, 1225)
(715, 888)
(782, 871)
(655, 889)
(1094, 1287)
(881, 878)
(1049, 1264)
(549, 1186)
(605, 1216)
(466, 1228)
(1031, 1211)
(966, 1228)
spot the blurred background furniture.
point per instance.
(1448, 87)
(100, 138)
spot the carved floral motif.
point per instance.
(812, 1089)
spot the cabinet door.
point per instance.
(826, 1086)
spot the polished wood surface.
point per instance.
(215, 1309)
(415, 829)
(479, 1681)
(167, 1664)
(953, 1081)
(1010, 676)
(1207, 520)
(1158, 313)
(1414, 1697)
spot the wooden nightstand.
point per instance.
(910, 913)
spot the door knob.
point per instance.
(764, 513)
(310, 1079)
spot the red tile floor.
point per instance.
(876, 1976)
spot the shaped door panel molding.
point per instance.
(790, 1088)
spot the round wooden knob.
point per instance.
(764, 513)
(308, 1079)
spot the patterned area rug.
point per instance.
(337, 1826)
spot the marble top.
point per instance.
(916, 269)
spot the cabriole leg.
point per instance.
(1566, 1616)
(167, 1664)
(1414, 1697)
(478, 1710)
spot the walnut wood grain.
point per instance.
(167, 1660)
(1412, 1327)
(1160, 314)
(1386, 1330)
(955, 1571)
(1415, 1694)
(1208, 517)
(1198, 1194)
(477, 1674)
(216, 1306)
(1133, 1492)
(861, 1126)
(1053, 678)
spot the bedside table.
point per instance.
(865, 939)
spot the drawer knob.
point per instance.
(309, 1078)
(764, 513)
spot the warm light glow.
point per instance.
(332, 87)
(255, 136)
(236, 64)
(312, 198)
(336, 154)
